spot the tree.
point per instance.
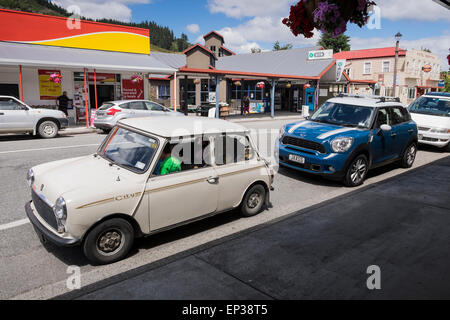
(255, 50)
(277, 46)
(338, 44)
(425, 49)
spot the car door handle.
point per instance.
(393, 134)
(2, 114)
(212, 180)
(410, 130)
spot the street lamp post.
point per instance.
(397, 38)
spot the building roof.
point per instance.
(59, 57)
(368, 53)
(292, 62)
(173, 60)
(183, 126)
(228, 50)
(201, 47)
(216, 33)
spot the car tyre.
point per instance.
(253, 201)
(48, 129)
(108, 242)
(356, 171)
(409, 156)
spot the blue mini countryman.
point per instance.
(348, 136)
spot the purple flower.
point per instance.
(361, 5)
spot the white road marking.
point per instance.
(50, 148)
(14, 224)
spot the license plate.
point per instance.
(295, 158)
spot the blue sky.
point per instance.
(246, 24)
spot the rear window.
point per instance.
(106, 106)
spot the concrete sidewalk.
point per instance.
(322, 252)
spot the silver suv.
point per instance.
(111, 112)
(17, 117)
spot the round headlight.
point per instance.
(341, 144)
(30, 177)
(60, 209)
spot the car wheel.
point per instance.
(447, 148)
(106, 131)
(409, 156)
(357, 171)
(48, 129)
(253, 201)
(109, 242)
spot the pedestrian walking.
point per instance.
(63, 102)
(246, 102)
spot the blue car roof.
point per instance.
(438, 94)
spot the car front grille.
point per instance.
(430, 139)
(423, 128)
(307, 144)
(44, 210)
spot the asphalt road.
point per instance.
(31, 270)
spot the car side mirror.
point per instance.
(307, 117)
(385, 127)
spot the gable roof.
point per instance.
(201, 47)
(216, 33)
(292, 62)
(368, 53)
(228, 50)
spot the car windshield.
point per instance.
(343, 115)
(129, 149)
(432, 106)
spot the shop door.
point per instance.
(105, 93)
(310, 98)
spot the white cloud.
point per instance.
(193, 28)
(438, 45)
(249, 8)
(412, 9)
(98, 9)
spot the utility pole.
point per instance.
(397, 45)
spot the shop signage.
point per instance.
(320, 54)
(18, 26)
(102, 77)
(441, 84)
(48, 90)
(132, 90)
(340, 65)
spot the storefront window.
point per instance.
(207, 86)
(163, 92)
(249, 89)
(411, 93)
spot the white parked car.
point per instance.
(17, 117)
(112, 112)
(431, 112)
(147, 176)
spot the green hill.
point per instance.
(162, 38)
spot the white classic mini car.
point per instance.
(149, 175)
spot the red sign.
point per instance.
(132, 89)
(102, 77)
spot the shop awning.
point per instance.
(58, 57)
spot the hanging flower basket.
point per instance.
(328, 16)
(56, 77)
(237, 83)
(197, 81)
(288, 85)
(261, 85)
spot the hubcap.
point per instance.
(358, 171)
(254, 200)
(49, 130)
(110, 242)
(411, 155)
